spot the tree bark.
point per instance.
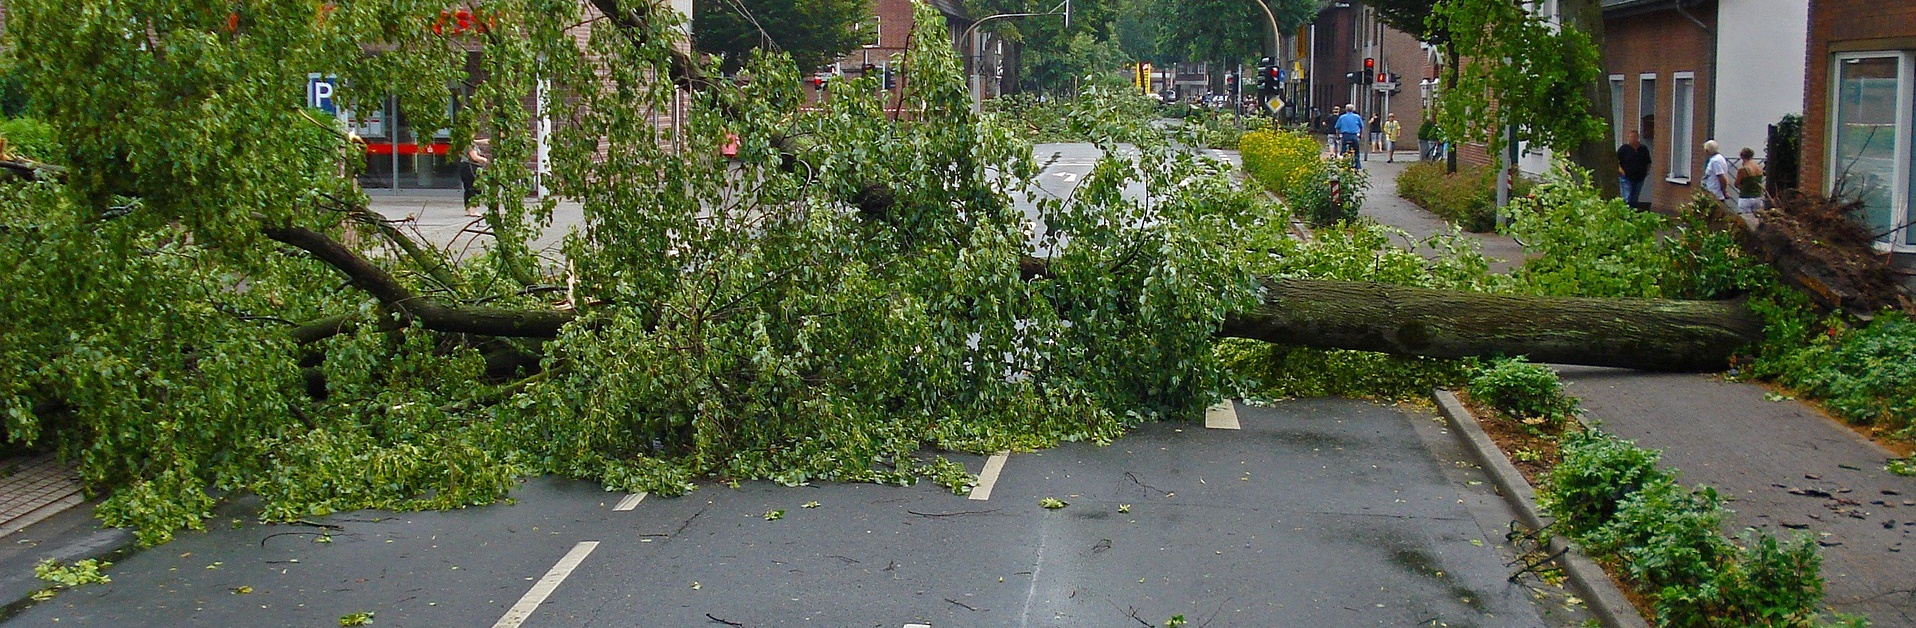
(1642, 334)
(487, 321)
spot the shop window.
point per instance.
(1872, 147)
(1682, 137)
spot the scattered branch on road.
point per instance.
(728, 623)
(1135, 480)
(961, 605)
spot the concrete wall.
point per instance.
(1759, 77)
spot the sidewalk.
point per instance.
(1384, 205)
(1782, 466)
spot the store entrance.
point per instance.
(402, 157)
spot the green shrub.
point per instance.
(1666, 534)
(1608, 495)
(1582, 244)
(1283, 161)
(1466, 198)
(1597, 473)
(1523, 391)
(1864, 374)
(1766, 583)
(1335, 195)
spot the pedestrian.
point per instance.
(1749, 184)
(1392, 129)
(1376, 134)
(470, 163)
(1716, 173)
(1350, 127)
(1633, 165)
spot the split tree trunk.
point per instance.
(1642, 334)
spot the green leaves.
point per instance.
(1521, 72)
(1523, 391)
(1608, 495)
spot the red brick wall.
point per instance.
(1839, 26)
(1663, 43)
(1401, 54)
(895, 21)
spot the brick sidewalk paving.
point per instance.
(35, 488)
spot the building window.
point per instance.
(1647, 107)
(1616, 107)
(1682, 124)
(877, 33)
(1872, 144)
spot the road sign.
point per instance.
(1385, 87)
(319, 93)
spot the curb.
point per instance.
(1599, 591)
(1298, 229)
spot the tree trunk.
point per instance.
(1642, 334)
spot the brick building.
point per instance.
(1346, 33)
(1859, 99)
(892, 24)
(1682, 73)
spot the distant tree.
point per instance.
(813, 32)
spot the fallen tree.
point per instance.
(187, 311)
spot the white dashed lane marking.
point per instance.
(1222, 416)
(630, 502)
(545, 586)
(989, 476)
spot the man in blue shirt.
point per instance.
(1349, 126)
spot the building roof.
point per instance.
(951, 8)
(1619, 8)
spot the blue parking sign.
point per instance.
(319, 93)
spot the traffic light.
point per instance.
(867, 70)
(1230, 84)
(1273, 80)
(1354, 77)
(818, 82)
(891, 79)
(1370, 65)
(1381, 78)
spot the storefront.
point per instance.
(400, 156)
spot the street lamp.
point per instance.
(1277, 45)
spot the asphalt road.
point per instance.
(1316, 512)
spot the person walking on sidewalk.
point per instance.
(1376, 134)
(1392, 129)
(1633, 166)
(469, 165)
(1749, 184)
(1716, 174)
(1350, 128)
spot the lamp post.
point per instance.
(1277, 43)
